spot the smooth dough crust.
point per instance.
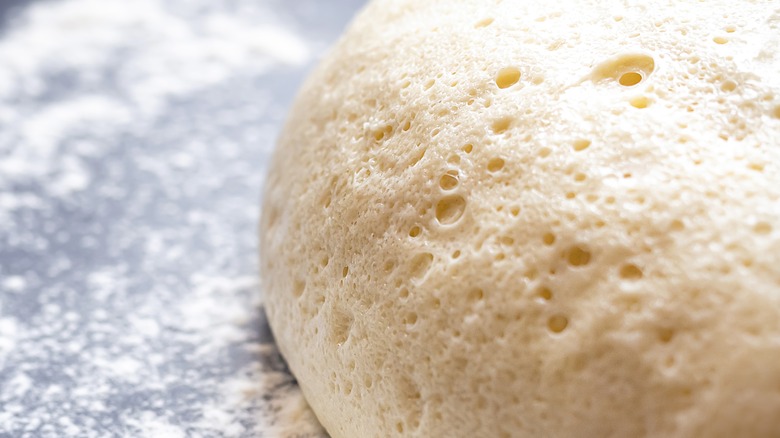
(534, 219)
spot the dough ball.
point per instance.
(534, 219)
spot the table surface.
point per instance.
(134, 138)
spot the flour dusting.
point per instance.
(133, 140)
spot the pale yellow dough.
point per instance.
(534, 219)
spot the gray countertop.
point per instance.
(133, 142)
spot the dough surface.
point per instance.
(534, 219)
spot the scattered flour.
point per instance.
(129, 63)
(128, 293)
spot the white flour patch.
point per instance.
(149, 54)
(131, 146)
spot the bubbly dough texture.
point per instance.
(534, 219)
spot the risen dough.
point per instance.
(534, 219)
